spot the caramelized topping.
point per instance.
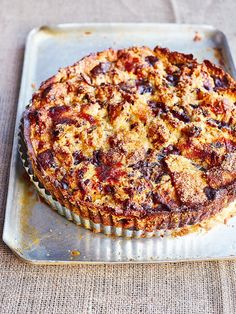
(142, 131)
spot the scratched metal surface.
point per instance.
(38, 234)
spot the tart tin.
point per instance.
(39, 235)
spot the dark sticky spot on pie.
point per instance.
(65, 120)
(109, 173)
(207, 85)
(33, 116)
(217, 144)
(155, 198)
(125, 87)
(101, 68)
(172, 79)
(193, 131)
(129, 191)
(129, 66)
(64, 185)
(56, 111)
(87, 117)
(114, 110)
(55, 133)
(46, 159)
(220, 82)
(151, 60)
(181, 115)
(147, 207)
(80, 173)
(46, 91)
(163, 207)
(88, 198)
(210, 193)
(157, 107)
(109, 189)
(97, 157)
(194, 106)
(133, 125)
(144, 87)
(219, 124)
(146, 168)
(78, 157)
(170, 149)
(86, 182)
(149, 151)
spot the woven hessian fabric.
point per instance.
(200, 287)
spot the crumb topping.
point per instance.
(136, 130)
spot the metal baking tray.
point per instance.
(38, 234)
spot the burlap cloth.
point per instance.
(201, 287)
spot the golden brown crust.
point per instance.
(137, 138)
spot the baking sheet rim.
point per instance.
(14, 155)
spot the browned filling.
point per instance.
(136, 132)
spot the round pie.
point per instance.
(136, 138)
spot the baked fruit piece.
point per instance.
(136, 138)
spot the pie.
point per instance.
(136, 138)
